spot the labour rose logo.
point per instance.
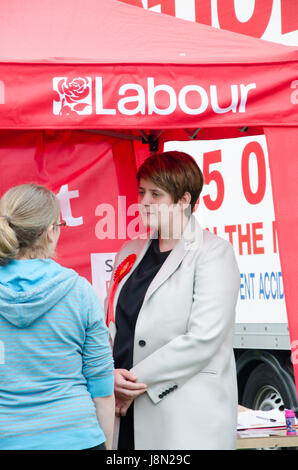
(74, 96)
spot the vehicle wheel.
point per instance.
(265, 390)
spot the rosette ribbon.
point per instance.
(122, 270)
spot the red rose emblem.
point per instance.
(74, 90)
(73, 95)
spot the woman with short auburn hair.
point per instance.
(171, 311)
(176, 173)
(57, 377)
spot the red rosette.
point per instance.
(121, 271)
(124, 267)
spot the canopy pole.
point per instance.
(193, 135)
(118, 135)
(151, 140)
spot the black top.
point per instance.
(130, 302)
(128, 306)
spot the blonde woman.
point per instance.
(56, 379)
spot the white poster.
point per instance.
(101, 268)
(236, 204)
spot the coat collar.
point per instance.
(190, 240)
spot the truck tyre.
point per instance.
(266, 390)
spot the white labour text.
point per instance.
(146, 100)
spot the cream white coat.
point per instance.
(187, 322)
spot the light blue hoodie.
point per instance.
(54, 357)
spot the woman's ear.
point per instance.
(50, 234)
(185, 200)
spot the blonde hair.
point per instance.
(26, 213)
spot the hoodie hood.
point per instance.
(23, 307)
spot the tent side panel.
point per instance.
(283, 161)
(94, 178)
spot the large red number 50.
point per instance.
(209, 159)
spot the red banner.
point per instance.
(53, 96)
(90, 176)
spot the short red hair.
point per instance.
(174, 172)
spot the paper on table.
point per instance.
(253, 433)
(261, 419)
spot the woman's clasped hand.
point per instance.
(126, 390)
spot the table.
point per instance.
(278, 440)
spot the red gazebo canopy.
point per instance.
(113, 68)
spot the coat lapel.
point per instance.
(140, 250)
(191, 240)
